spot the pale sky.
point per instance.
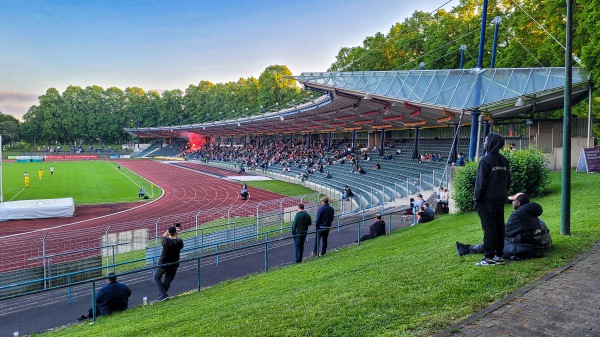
(159, 45)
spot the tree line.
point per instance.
(94, 114)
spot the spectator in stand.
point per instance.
(376, 229)
(460, 160)
(419, 202)
(323, 222)
(443, 199)
(377, 166)
(409, 211)
(113, 297)
(430, 213)
(327, 174)
(299, 231)
(347, 193)
(361, 170)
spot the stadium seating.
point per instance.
(153, 147)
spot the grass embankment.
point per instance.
(87, 182)
(280, 187)
(409, 283)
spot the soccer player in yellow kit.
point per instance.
(40, 174)
(26, 179)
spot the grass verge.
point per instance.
(410, 283)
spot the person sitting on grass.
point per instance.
(376, 229)
(113, 297)
(526, 234)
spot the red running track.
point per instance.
(186, 193)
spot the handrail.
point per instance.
(216, 254)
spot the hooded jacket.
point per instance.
(493, 174)
(523, 223)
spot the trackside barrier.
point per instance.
(199, 252)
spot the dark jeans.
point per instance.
(491, 214)
(322, 234)
(299, 247)
(163, 286)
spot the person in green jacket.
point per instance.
(299, 231)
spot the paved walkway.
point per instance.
(565, 302)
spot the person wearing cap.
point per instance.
(113, 297)
(172, 246)
(526, 234)
(491, 190)
(323, 222)
(299, 231)
(376, 229)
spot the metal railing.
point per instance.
(207, 252)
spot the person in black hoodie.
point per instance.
(526, 234)
(491, 189)
(172, 245)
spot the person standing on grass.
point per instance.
(172, 246)
(51, 170)
(118, 167)
(491, 191)
(40, 173)
(323, 222)
(26, 179)
(299, 231)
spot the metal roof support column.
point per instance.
(565, 215)
(353, 144)
(308, 140)
(497, 21)
(486, 132)
(474, 128)
(329, 141)
(479, 120)
(416, 144)
(482, 33)
(453, 149)
(381, 142)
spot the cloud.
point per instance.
(16, 103)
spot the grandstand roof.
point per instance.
(372, 100)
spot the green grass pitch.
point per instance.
(87, 182)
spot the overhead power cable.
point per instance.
(547, 32)
(431, 51)
(387, 40)
(527, 50)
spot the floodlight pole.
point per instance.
(565, 214)
(473, 143)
